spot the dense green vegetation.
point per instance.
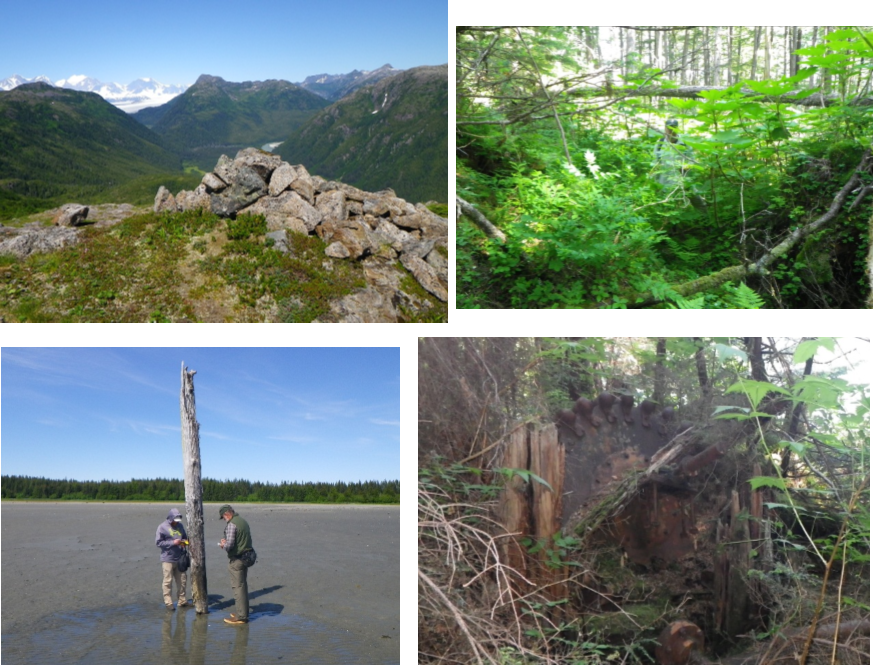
(59, 145)
(215, 116)
(173, 490)
(555, 147)
(401, 145)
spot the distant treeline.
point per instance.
(173, 490)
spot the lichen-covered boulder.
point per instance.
(332, 206)
(164, 200)
(245, 187)
(70, 215)
(283, 210)
(213, 183)
(262, 162)
(199, 199)
(425, 275)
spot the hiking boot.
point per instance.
(234, 620)
(169, 607)
(182, 603)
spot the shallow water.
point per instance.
(137, 635)
(82, 585)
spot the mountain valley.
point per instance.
(130, 261)
(215, 116)
(60, 144)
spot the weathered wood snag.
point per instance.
(193, 491)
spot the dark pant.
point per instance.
(241, 587)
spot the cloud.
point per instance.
(295, 439)
(386, 423)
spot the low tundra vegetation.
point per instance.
(177, 267)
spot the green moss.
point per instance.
(438, 313)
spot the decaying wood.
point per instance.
(193, 492)
(547, 462)
(777, 652)
(678, 641)
(691, 464)
(694, 92)
(513, 502)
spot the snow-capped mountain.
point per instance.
(85, 84)
(15, 80)
(336, 86)
(136, 95)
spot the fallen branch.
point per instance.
(830, 214)
(489, 229)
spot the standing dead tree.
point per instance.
(193, 491)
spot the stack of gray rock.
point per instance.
(377, 228)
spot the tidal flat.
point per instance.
(82, 585)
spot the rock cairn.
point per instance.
(378, 228)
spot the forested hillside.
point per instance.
(58, 144)
(663, 167)
(215, 116)
(390, 134)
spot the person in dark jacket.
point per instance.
(171, 539)
(238, 540)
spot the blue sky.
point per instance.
(176, 41)
(266, 414)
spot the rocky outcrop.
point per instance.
(164, 200)
(29, 241)
(377, 228)
(70, 215)
(35, 237)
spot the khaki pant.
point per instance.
(241, 588)
(171, 573)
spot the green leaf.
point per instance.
(770, 87)
(807, 349)
(755, 390)
(725, 351)
(820, 391)
(539, 480)
(730, 136)
(767, 482)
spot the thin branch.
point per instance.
(477, 649)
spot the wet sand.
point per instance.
(82, 585)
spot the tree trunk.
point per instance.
(707, 67)
(769, 36)
(659, 386)
(193, 492)
(717, 56)
(757, 36)
(685, 65)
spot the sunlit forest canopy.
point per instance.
(663, 167)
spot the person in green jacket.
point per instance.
(237, 541)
